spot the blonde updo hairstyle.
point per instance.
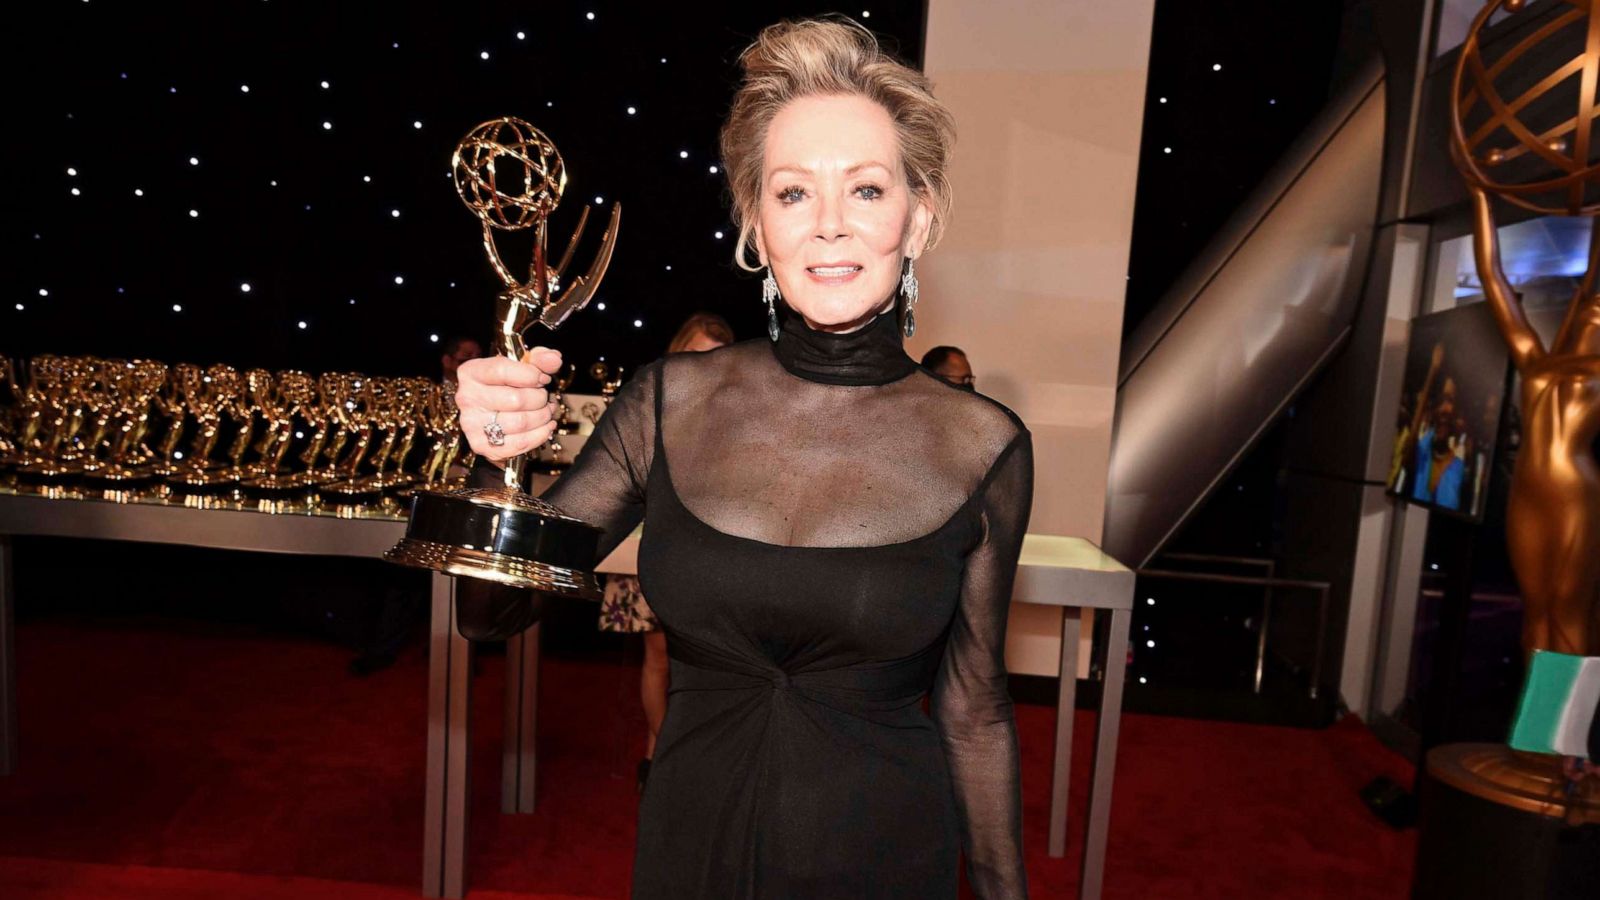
(822, 57)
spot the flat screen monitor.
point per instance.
(1448, 422)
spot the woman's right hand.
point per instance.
(512, 394)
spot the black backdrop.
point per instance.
(126, 94)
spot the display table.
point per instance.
(1055, 571)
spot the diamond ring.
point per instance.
(496, 434)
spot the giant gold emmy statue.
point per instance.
(1523, 130)
(501, 534)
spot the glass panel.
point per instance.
(1455, 17)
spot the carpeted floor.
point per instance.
(173, 759)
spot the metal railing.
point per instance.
(1269, 582)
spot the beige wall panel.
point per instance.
(1030, 279)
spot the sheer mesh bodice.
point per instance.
(831, 535)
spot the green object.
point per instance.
(1558, 704)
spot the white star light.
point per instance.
(138, 192)
(327, 126)
(669, 268)
(599, 200)
(245, 287)
(325, 85)
(417, 125)
(483, 55)
(589, 16)
(866, 14)
(76, 192)
(1163, 99)
(20, 307)
(1216, 67)
(273, 182)
(244, 88)
(194, 213)
(1166, 149)
(43, 292)
(71, 171)
(1150, 644)
(394, 213)
(366, 179)
(683, 154)
(632, 110)
(399, 279)
(302, 324)
(177, 307)
(663, 59)
(713, 170)
(600, 306)
(434, 338)
(638, 323)
(718, 235)
(521, 36)
(194, 160)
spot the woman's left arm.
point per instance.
(971, 703)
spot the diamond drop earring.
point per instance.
(908, 287)
(769, 294)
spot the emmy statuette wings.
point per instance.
(511, 177)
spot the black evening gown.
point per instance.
(832, 535)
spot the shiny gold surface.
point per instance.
(1531, 782)
(513, 201)
(521, 198)
(508, 570)
(126, 426)
(386, 509)
(1553, 514)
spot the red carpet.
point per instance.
(172, 760)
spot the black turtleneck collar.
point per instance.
(873, 354)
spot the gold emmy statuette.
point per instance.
(8, 414)
(149, 380)
(32, 405)
(134, 385)
(441, 420)
(209, 397)
(510, 175)
(59, 381)
(171, 402)
(1523, 130)
(358, 419)
(279, 398)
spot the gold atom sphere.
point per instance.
(508, 173)
(1522, 126)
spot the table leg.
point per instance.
(8, 663)
(519, 756)
(444, 842)
(1066, 710)
(1105, 757)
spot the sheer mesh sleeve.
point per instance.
(971, 703)
(604, 487)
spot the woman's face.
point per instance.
(836, 215)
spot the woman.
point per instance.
(624, 608)
(833, 530)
